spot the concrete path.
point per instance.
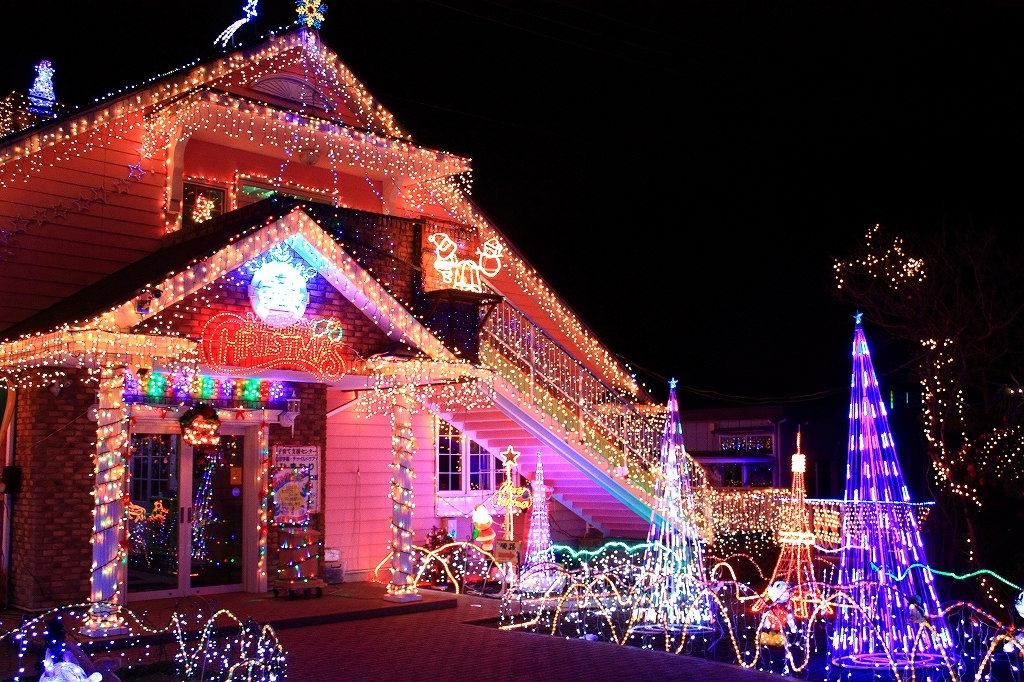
(444, 646)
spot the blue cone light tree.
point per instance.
(892, 621)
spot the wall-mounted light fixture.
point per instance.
(291, 413)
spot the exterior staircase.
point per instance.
(596, 443)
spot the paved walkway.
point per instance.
(347, 601)
(445, 646)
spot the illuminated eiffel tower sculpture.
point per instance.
(796, 541)
(893, 620)
(671, 595)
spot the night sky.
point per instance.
(681, 172)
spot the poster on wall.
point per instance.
(302, 455)
(290, 486)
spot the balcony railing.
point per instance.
(616, 427)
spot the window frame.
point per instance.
(467, 449)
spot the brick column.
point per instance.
(403, 445)
(108, 535)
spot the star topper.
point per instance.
(673, 382)
(856, 317)
(511, 455)
(311, 12)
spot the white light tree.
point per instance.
(671, 595)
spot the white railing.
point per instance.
(623, 431)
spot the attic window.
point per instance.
(292, 89)
(201, 203)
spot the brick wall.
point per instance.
(386, 246)
(51, 519)
(310, 429)
(230, 294)
(468, 242)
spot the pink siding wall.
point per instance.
(219, 164)
(357, 477)
(76, 218)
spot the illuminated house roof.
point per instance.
(201, 256)
(289, 86)
(124, 284)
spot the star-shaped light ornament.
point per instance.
(135, 171)
(511, 455)
(856, 318)
(311, 12)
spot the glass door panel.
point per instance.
(216, 513)
(153, 511)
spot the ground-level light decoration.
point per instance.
(671, 597)
(540, 573)
(509, 496)
(599, 587)
(217, 644)
(891, 621)
(763, 626)
(795, 566)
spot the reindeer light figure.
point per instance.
(464, 275)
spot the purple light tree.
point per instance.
(892, 622)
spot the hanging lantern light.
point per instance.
(200, 425)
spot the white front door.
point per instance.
(185, 518)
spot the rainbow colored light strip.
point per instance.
(181, 387)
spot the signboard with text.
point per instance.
(231, 342)
(302, 456)
(506, 551)
(291, 488)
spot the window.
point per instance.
(759, 475)
(736, 475)
(249, 190)
(200, 203)
(747, 443)
(154, 465)
(449, 458)
(454, 452)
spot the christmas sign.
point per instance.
(231, 342)
(302, 456)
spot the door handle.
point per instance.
(181, 515)
(190, 514)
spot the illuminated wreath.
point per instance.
(200, 425)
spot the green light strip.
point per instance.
(955, 576)
(576, 554)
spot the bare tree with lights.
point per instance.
(955, 296)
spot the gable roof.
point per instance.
(261, 80)
(234, 72)
(197, 259)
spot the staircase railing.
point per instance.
(619, 429)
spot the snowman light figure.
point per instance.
(779, 615)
